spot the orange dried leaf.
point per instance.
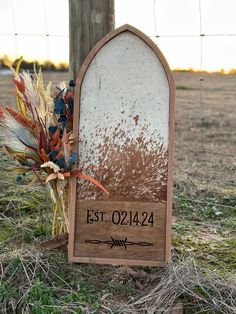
(43, 155)
(58, 145)
(7, 150)
(1, 112)
(72, 136)
(94, 181)
(64, 137)
(55, 138)
(20, 118)
(20, 86)
(59, 155)
(60, 176)
(52, 176)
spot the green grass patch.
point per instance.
(34, 281)
(200, 206)
(208, 243)
(46, 284)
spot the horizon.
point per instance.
(64, 64)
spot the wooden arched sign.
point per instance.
(124, 118)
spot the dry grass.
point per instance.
(37, 273)
(202, 273)
(183, 279)
(205, 139)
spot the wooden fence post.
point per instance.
(89, 21)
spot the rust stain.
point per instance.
(133, 171)
(136, 119)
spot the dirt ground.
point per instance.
(205, 128)
(205, 139)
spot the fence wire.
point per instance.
(205, 131)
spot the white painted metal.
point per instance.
(124, 101)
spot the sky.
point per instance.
(177, 22)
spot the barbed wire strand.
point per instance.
(34, 35)
(153, 35)
(195, 35)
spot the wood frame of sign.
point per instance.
(82, 211)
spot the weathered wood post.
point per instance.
(89, 21)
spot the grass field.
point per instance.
(201, 277)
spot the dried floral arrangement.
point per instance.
(40, 139)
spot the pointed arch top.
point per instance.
(102, 42)
(113, 34)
